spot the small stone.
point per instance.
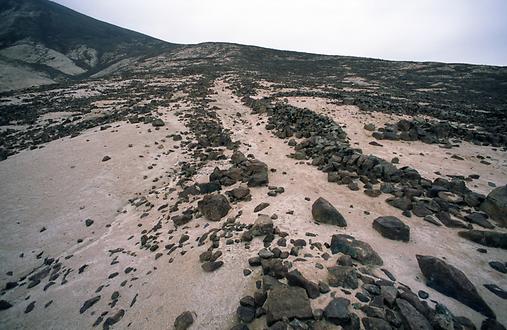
(337, 311)
(498, 266)
(211, 266)
(89, 303)
(423, 294)
(261, 207)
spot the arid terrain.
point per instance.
(221, 186)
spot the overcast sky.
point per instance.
(470, 31)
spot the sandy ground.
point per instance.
(426, 158)
(303, 180)
(40, 190)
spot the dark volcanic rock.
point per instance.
(452, 282)
(375, 323)
(287, 302)
(246, 313)
(495, 205)
(343, 276)
(498, 266)
(324, 212)
(89, 303)
(490, 324)
(257, 173)
(261, 207)
(113, 319)
(496, 290)
(392, 228)
(263, 225)
(487, 238)
(295, 278)
(479, 219)
(412, 319)
(337, 311)
(214, 207)
(158, 122)
(183, 321)
(400, 203)
(4, 305)
(239, 194)
(211, 266)
(359, 250)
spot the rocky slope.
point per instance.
(221, 186)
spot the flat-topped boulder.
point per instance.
(287, 302)
(392, 228)
(358, 250)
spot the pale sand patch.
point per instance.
(433, 157)
(42, 190)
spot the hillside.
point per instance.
(225, 186)
(43, 42)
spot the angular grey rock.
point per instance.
(158, 122)
(113, 319)
(287, 302)
(411, 318)
(257, 173)
(495, 205)
(452, 282)
(183, 321)
(295, 278)
(246, 314)
(324, 212)
(263, 225)
(261, 207)
(89, 303)
(479, 219)
(486, 238)
(214, 207)
(358, 250)
(392, 228)
(375, 323)
(337, 311)
(343, 276)
(211, 266)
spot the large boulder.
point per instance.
(287, 302)
(358, 250)
(495, 205)
(262, 226)
(295, 278)
(452, 282)
(214, 207)
(487, 238)
(337, 311)
(344, 276)
(392, 228)
(411, 318)
(158, 122)
(256, 172)
(324, 212)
